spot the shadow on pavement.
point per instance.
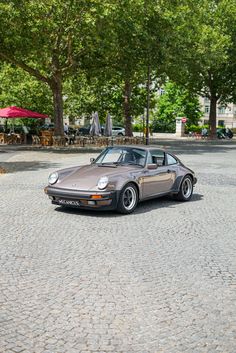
(143, 207)
(14, 167)
(186, 146)
(199, 147)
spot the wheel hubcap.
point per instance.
(129, 198)
(187, 188)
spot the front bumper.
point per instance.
(104, 200)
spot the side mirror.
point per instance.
(92, 160)
(152, 166)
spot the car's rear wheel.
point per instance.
(128, 199)
(186, 189)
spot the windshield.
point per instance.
(122, 156)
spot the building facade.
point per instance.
(225, 115)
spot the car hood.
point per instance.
(86, 177)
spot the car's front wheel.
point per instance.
(128, 199)
(186, 189)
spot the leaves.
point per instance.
(20, 89)
(88, 50)
(176, 101)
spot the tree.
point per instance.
(106, 96)
(21, 89)
(175, 101)
(122, 33)
(137, 32)
(47, 39)
(203, 55)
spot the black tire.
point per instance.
(120, 134)
(186, 189)
(128, 199)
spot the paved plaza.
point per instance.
(161, 280)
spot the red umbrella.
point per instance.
(15, 112)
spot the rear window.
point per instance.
(156, 156)
(171, 160)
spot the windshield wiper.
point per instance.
(131, 163)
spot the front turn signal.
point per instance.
(96, 196)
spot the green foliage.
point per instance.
(176, 101)
(88, 51)
(20, 89)
(95, 95)
(51, 40)
(104, 96)
(195, 128)
(202, 55)
(138, 127)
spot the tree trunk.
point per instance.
(56, 87)
(212, 116)
(127, 109)
(148, 106)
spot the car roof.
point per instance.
(146, 148)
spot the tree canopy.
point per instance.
(21, 89)
(176, 101)
(203, 55)
(49, 39)
(97, 54)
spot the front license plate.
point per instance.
(68, 202)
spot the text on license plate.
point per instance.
(69, 202)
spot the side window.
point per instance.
(156, 157)
(140, 156)
(171, 159)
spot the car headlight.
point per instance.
(52, 179)
(102, 182)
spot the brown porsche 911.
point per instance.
(119, 178)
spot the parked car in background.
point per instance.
(119, 178)
(47, 126)
(118, 131)
(83, 130)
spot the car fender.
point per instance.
(178, 181)
(120, 184)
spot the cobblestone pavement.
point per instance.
(161, 280)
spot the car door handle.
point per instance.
(168, 171)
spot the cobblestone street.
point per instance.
(161, 280)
